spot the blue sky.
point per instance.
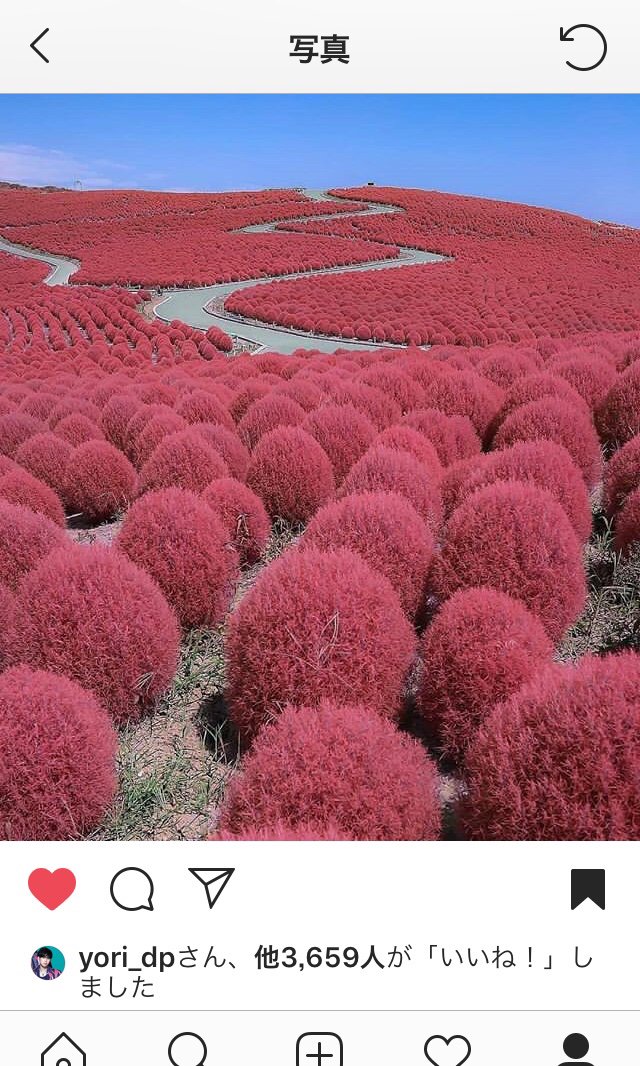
(578, 153)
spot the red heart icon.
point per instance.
(52, 887)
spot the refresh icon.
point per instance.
(565, 36)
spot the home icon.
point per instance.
(63, 1052)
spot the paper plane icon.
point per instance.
(214, 881)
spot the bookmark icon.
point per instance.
(588, 884)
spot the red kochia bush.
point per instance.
(106, 389)
(538, 387)
(7, 611)
(343, 432)
(254, 389)
(505, 367)
(220, 340)
(333, 764)
(315, 625)
(463, 392)
(25, 538)
(481, 647)
(76, 430)
(200, 406)
(73, 405)
(538, 462)
(386, 531)
(19, 486)
(100, 481)
(228, 444)
(405, 439)
(57, 775)
(391, 380)
(15, 429)
(89, 613)
(388, 470)
(452, 436)
(183, 460)
(618, 416)
(116, 415)
(560, 760)
(155, 430)
(621, 475)
(243, 516)
(38, 405)
(515, 538)
(627, 530)
(551, 419)
(302, 392)
(136, 424)
(267, 414)
(591, 376)
(291, 474)
(183, 545)
(46, 457)
(379, 407)
(153, 392)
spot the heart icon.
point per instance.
(447, 1051)
(51, 887)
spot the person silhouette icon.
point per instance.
(576, 1046)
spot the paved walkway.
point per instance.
(190, 305)
(61, 269)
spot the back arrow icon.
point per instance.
(37, 41)
(564, 36)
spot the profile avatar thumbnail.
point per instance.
(47, 963)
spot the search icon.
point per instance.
(187, 1049)
(132, 889)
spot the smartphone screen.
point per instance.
(319, 534)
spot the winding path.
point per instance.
(61, 269)
(192, 305)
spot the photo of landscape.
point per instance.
(320, 468)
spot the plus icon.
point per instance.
(319, 1055)
(319, 1049)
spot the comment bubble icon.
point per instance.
(187, 1049)
(132, 889)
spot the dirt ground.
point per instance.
(175, 764)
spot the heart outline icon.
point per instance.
(448, 1040)
(52, 887)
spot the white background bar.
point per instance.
(456, 896)
(405, 46)
(369, 1039)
